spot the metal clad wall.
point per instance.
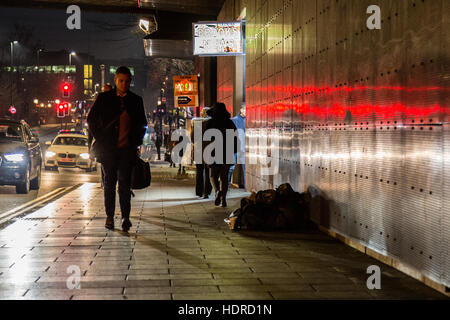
(445, 104)
(361, 116)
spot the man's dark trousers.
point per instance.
(117, 167)
(219, 177)
(203, 185)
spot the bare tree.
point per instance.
(160, 76)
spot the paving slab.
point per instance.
(179, 248)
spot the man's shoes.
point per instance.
(206, 196)
(218, 198)
(109, 223)
(126, 224)
(224, 202)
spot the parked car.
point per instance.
(20, 156)
(69, 150)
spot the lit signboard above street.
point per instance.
(185, 91)
(218, 38)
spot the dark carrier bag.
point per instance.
(141, 176)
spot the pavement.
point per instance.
(179, 248)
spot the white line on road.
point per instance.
(30, 205)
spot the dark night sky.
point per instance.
(104, 35)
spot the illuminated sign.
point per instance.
(218, 38)
(185, 91)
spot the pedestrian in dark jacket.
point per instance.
(117, 122)
(158, 143)
(203, 185)
(220, 119)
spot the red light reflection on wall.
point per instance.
(313, 107)
(328, 90)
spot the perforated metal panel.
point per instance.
(362, 118)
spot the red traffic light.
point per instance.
(60, 112)
(66, 88)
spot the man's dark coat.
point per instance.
(105, 110)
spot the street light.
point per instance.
(12, 51)
(12, 63)
(39, 50)
(70, 57)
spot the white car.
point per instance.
(69, 151)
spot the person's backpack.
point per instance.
(140, 175)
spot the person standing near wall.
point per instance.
(203, 185)
(220, 120)
(239, 158)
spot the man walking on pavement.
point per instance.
(117, 122)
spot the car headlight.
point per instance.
(14, 157)
(50, 154)
(85, 156)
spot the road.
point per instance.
(51, 180)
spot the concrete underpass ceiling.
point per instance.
(174, 17)
(207, 8)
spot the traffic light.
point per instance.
(66, 109)
(66, 88)
(60, 112)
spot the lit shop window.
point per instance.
(88, 83)
(87, 71)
